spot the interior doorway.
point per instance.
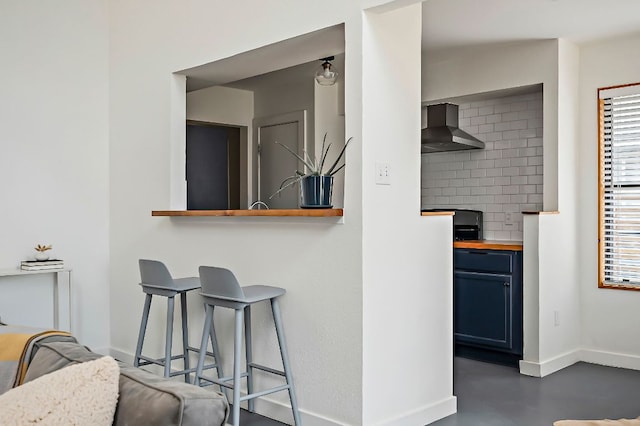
(275, 164)
(212, 166)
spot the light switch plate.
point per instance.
(383, 174)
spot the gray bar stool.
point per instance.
(220, 288)
(156, 280)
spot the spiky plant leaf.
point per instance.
(305, 162)
(335, 163)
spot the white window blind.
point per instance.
(620, 187)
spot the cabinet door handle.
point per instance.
(507, 284)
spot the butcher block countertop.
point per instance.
(489, 245)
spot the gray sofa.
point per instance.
(144, 398)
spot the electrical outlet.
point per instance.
(383, 174)
(508, 220)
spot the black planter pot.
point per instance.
(316, 192)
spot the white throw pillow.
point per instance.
(80, 394)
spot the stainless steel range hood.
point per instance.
(442, 132)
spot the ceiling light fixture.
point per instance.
(327, 76)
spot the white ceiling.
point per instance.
(446, 24)
(457, 23)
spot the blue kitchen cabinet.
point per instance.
(488, 304)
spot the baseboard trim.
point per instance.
(610, 359)
(120, 355)
(424, 415)
(544, 368)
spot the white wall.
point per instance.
(54, 134)
(407, 260)
(609, 319)
(554, 278)
(461, 72)
(318, 261)
(504, 177)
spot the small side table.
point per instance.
(61, 293)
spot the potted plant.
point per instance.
(42, 251)
(316, 184)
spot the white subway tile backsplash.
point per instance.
(519, 161)
(518, 180)
(498, 109)
(495, 118)
(463, 174)
(470, 112)
(486, 110)
(476, 121)
(492, 137)
(504, 177)
(477, 173)
(485, 128)
(510, 153)
(494, 190)
(493, 154)
(488, 181)
(534, 161)
(528, 133)
(536, 179)
(480, 154)
(511, 171)
(511, 134)
(462, 156)
(535, 123)
(486, 164)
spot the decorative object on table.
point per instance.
(316, 185)
(41, 265)
(41, 250)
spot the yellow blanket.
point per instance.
(16, 347)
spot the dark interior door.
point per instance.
(207, 167)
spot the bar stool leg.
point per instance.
(237, 347)
(185, 335)
(216, 351)
(275, 307)
(168, 337)
(208, 317)
(143, 330)
(248, 355)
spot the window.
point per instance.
(619, 187)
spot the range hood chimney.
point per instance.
(442, 132)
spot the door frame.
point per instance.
(299, 117)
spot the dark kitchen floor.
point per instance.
(494, 395)
(252, 419)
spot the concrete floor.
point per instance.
(494, 395)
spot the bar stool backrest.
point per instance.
(220, 282)
(155, 273)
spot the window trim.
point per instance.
(601, 277)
